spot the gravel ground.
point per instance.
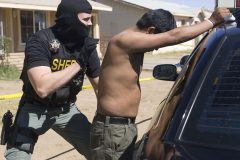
(52, 146)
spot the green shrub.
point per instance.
(5, 43)
(9, 72)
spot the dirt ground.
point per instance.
(52, 146)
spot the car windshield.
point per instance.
(214, 120)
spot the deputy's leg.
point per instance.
(29, 124)
(75, 128)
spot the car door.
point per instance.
(156, 146)
(210, 126)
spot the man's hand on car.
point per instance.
(218, 16)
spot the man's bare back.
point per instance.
(119, 89)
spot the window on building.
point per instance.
(31, 22)
(1, 24)
(183, 22)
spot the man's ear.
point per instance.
(151, 30)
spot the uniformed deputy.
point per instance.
(56, 60)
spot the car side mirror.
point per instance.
(183, 60)
(167, 72)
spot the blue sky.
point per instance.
(209, 4)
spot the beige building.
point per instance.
(20, 18)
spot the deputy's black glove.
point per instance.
(89, 46)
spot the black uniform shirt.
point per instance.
(38, 53)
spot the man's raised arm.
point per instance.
(142, 42)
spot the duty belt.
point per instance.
(52, 109)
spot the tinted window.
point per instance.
(215, 116)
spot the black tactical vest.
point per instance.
(59, 58)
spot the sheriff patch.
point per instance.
(54, 45)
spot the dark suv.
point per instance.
(200, 118)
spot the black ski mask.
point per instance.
(70, 30)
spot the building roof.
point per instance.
(50, 5)
(175, 8)
(207, 13)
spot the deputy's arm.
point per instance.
(94, 82)
(45, 82)
(142, 42)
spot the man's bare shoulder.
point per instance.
(124, 38)
(121, 36)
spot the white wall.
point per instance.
(121, 17)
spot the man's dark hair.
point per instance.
(161, 19)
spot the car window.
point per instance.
(214, 119)
(163, 116)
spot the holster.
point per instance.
(27, 144)
(7, 121)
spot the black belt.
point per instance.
(113, 120)
(64, 108)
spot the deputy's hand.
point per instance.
(89, 46)
(218, 15)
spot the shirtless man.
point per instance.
(113, 131)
